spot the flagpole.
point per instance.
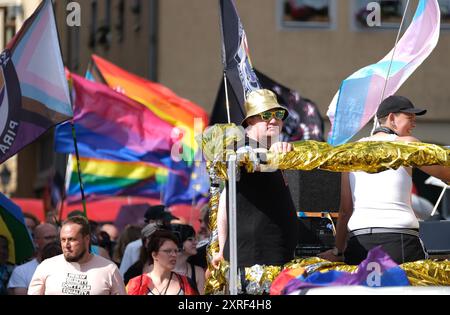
(193, 205)
(375, 120)
(439, 200)
(83, 199)
(61, 207)
(226, 96)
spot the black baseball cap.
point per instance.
(398, 104)
(158, 213)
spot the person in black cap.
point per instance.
(154, 214)
(376, 208)
(158, 214)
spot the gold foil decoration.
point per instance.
(260, 278)
(219, 141)
(420, 273)
(216, 280)
(368, 156)
(428, 273)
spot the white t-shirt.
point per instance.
(130, 256)
(56, 276)
(21, 276)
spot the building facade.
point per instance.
(178, 43)
(310, 46)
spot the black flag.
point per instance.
(235, 57)
(304, 121)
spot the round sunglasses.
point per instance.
(278, 114)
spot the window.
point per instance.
(445, 13)
(104, 31)
(392, 13)
(7, 24)
(93, 26)
(295, 14)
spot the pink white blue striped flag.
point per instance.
(360, 94)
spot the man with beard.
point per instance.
(76, 271)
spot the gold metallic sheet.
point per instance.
(372, 157)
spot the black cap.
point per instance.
(398, 104)
(158, 213)
(182, 231)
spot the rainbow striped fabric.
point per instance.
(187, 119)
(111, 126)
(104, 178)
(377, 270)
(34, 94)
(180, 113)
(360, 94)
(12, 226)
(108, 167)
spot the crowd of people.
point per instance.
(166, 257)
(82, 257)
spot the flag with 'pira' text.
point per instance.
(34, 94)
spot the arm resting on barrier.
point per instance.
(345, 212)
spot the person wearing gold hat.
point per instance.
(267, 230)
(264, 120)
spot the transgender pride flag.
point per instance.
(360, 94)
(34, 95)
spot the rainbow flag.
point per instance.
(12, 226)
(360, 94)
(111, 126)
(178, 112)
(377, 270)
(105, 178)
(34, 95)
(164, 103)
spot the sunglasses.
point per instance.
(278, 114)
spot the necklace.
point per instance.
(164, 291)
(385, 130)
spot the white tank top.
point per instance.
(382, 199)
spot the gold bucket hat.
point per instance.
(260, 101)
